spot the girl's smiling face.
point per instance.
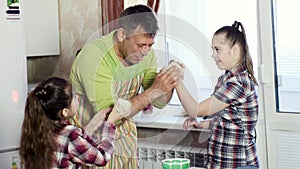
(226, 57)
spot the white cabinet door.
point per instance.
(9, 159)
(42, 27)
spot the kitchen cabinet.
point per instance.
(41, 27)
(13, 73)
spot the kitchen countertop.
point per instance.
(170, 117)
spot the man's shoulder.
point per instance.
(101, 42)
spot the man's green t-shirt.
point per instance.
(98, 74)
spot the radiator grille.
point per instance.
(151, 154)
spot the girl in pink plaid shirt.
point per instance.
(49, 141)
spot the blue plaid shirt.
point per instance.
(232, 143)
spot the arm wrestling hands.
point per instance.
(161, 90)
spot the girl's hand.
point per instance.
(190, 122)
(122, 109)
(204, 124)
(97, 121)
(177, 69)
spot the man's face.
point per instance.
(136, 47)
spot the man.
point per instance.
(119, 65)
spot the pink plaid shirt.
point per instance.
(77, 148)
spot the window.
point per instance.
(186, 29)
(287, 55)
(189, 27)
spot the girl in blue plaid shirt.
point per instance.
(233, 106)
(49, 141)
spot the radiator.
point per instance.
(151, 154)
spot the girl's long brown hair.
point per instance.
(42, 121)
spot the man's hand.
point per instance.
(161, 90)
(169, 77)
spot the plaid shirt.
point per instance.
(76, 147)
(232, 143)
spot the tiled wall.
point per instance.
(78, 21)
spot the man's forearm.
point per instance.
(140, 101)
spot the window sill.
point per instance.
(170, 117)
